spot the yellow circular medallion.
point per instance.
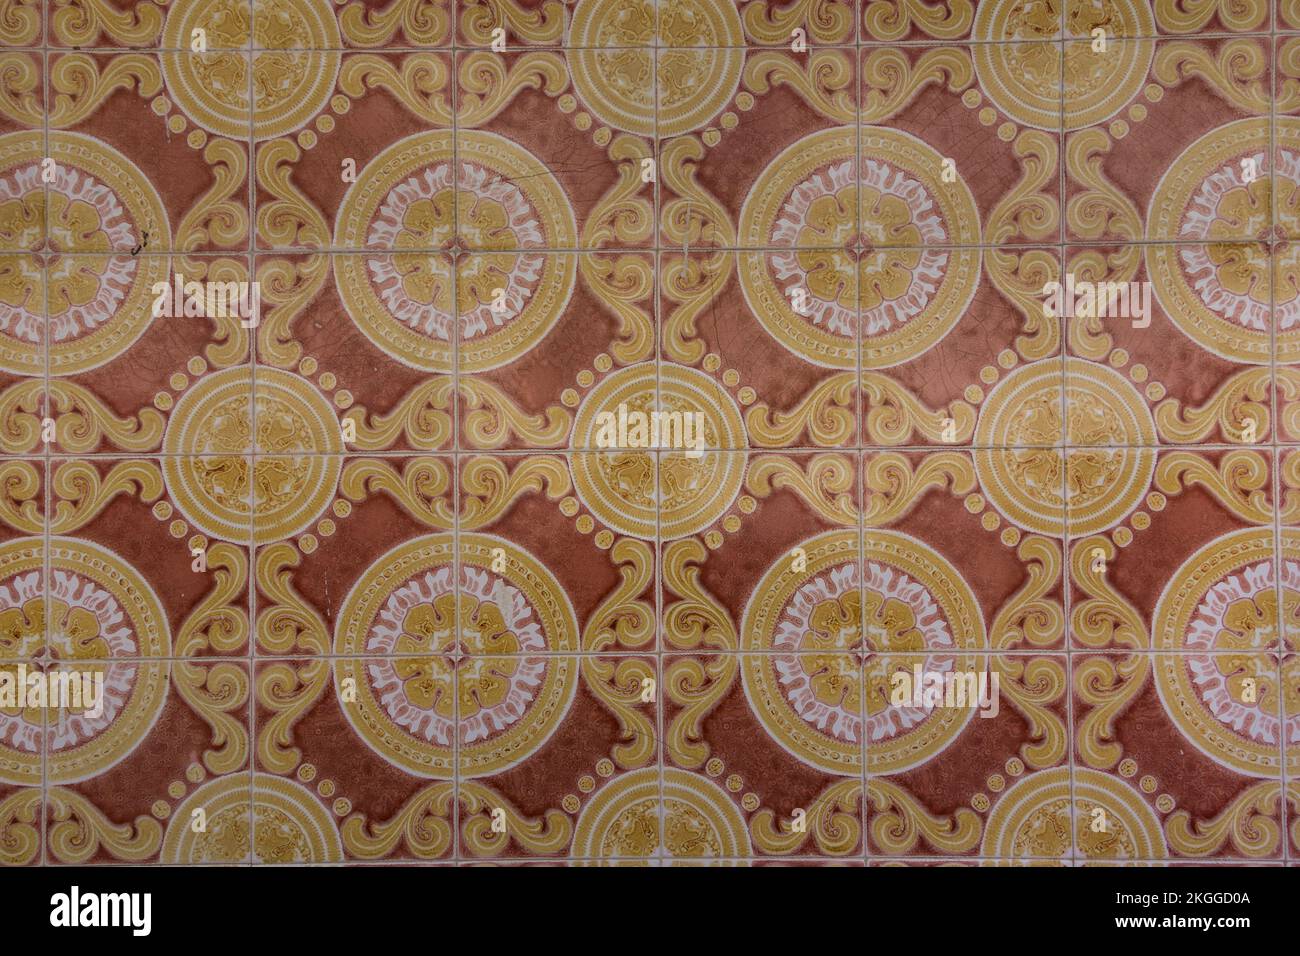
(496, 644)
(695, 821)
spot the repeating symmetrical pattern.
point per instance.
(344, 536)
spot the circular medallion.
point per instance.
(97, 621)
(1034, 819)
(208, 461)
(857, 256)
(285, 821)
(509, 208)
(696, 821)
(693, 488)
(1204, 197)
(498, 662)
(1018, 61)
(1221, 611)
(99, 204)
(1033, 483)
(611, 57)
(298, 52)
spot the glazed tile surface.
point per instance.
(971, 335)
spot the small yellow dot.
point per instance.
(342, 508)
(178, 381)
(1137, 112)
(604, 539)
(601, 136)
(342, 398)
(1155, 391)
(713, 539)
(308, 366)
(729, 120)
(734, 782)
(747, 504)
(1122, 537)
(571, 803)
(569, 507)
(582, 121)
(197, 139)
(714, 767)
(567, 103)
(325, 123)
(1007, 132)
(176, 123)
(307, 543)
(980, 802)
(198, 541)
(603, 362)
(585, 524)
(730, 378)
(731, 524)
(162, 511)
(340, 104)
(325, 788)
(586, 783)
(711, 137)
(712, 362)
(990, 521)
(605, 767)
(1138, 373)
(750, 802)
(585, 378)
(974, 394)
(176, 790)
(1118, 358)
(988, 375)
(307, 773)
(196, 365)
(1015, 766)
(1011, 537)
(194, 773)
(1148, 784)
(1007, 358)
(746, 396)
(988, 116)
(178, 528)
(342, 806)
(160, 105)
(326, 527)
(1119, 129)
(974, 504)
(1141, 521)
(1156, 501)
(1154, 92)
(1128, 767)
(569, 397)
(328, 381)
(1165, 803)
(745, 100)
(161, 809)
(162, 401)
(997, 782)
(971, 98)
